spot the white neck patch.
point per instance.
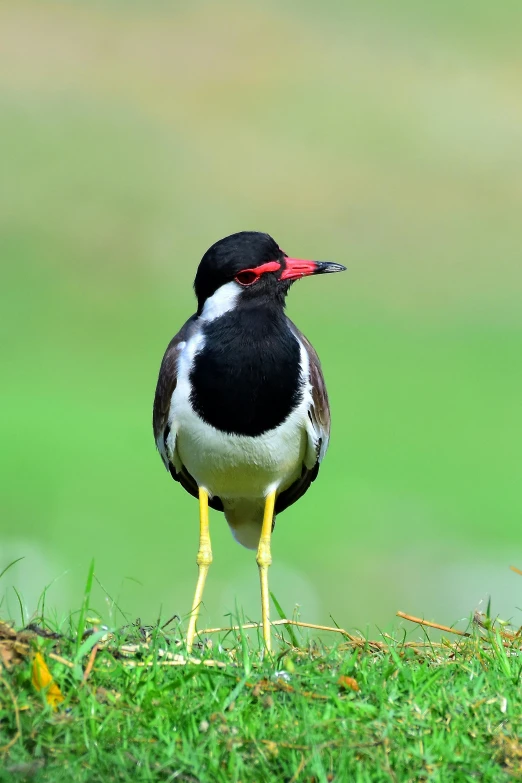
(221, 301)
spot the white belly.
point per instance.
(238, 466)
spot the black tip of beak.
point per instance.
(323, 267)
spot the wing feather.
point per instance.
(167, 380)
(318, 429)
(164, 437)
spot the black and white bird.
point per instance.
(241, 416)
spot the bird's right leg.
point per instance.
(204, 559)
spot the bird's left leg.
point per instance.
(204, 559)
(264, 560)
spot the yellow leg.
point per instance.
(203, 560)
(264, 560)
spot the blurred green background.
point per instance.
(384, 136)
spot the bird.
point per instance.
(241, 416)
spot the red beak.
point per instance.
(294, 268)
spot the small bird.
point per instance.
(241, 416)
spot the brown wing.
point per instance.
(319, 431)
(319, 412)
(167, 380)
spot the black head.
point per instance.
(254, 263)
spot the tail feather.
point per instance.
(245, 518)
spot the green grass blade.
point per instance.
(235, 693)
(21, 605)
(429, 682)
(85, 607)
(84, 649)
(502, 658)
(279, 609)
(6, 569)
(112, 600)
(245, 652)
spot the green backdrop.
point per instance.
(386, 137)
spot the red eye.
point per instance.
(247, 277)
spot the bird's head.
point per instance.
(250, 265)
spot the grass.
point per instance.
(129, 704)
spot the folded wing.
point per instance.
(166, 438)
(318, 428)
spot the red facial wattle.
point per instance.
(250, 276)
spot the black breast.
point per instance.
(246, 380)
